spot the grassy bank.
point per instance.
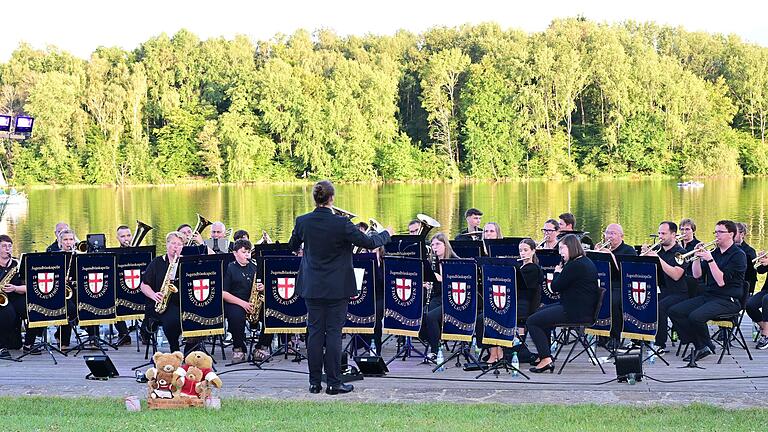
(86, 414)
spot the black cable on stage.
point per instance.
(703, 379)
(262, 369)
(496, 381)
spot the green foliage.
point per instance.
(579, 98)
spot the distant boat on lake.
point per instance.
(690, 184)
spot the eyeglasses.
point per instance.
(544, 230)
(720, 232)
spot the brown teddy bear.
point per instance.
(166, 368)
(204, 362)
(163, 385)
(194, 384)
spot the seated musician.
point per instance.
(414, 227)
(491, 231)
(576, 281)
(433, 322)
(550, 230)
(238, 235)
(56, 245)
(472, 231)
(238, 281)
(16, 310)
(152, 281)
(198, 246)
(218, 242)
(64, 333)
(722, 273)
(757, 305)
(673, 289)
(124, 237)
(688, 242)
(751, 274)
(614, 245)
(567, 223)
(528, 295)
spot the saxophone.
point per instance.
(168, 287)
(257, 301)
(6, 280)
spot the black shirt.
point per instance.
(154, 276)
(533, 277)
(733, 264)
(671, 286)
(688, 248)
(53, 247)
(751, 274)
(238, 279)
(622, 249)
(577, 285)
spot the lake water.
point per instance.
(520, 207)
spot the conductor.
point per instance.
(326, 280)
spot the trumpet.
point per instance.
(265, 239)
(690, 257)
(657, 245)
(603, 244)
(756, 260)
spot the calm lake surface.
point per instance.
(520, 208)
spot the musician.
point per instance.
(152, 281)
(56, 245)
(757, 306)
(722, 273)
(16, 310)
(550, 230)
(362, 226)
(432, 328)
(238, 281)
(566, 223)
(239, 234)
(751, 274)
(64, 333)
(326, 280)
(198, 246)
(414, 227)
(491, 231)
(576, 281)
(689, 242)
(472, 231)
(674, 288)
(124, 238)
(218, 242)
(614, 235)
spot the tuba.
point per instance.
(202, 223)
(427, 223)
(141, 231)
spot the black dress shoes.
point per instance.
(315, 388)
(344, 388)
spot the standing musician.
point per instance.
(566, 222)
(326, 281)
(218, 242)
(56, 245)
(472, 231)
(614, 245)
(576, 281)
(751, 274)
(674, 288)
(722, 272)
(124, 237)
(432, 328)
(757, 305)
(689, 241)
(550, 231)
(152, 281)
(238, 282)
(15, 311)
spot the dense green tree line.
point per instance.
(579, 98)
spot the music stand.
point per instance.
(43, 345)
(407, 349)
(92, 342)
(464, 350)
(411, 246)
(507, 247)
(285, 349)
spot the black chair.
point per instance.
(730, 328)
(577, 330)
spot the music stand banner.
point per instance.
(504, 247)
(95, 276)
(284, 309)
(201, 283)
(459, 299)
(603, 264)
(361, 310)
(403, 296)
(467, 248)
(271, 249)
(131, 264)
(45, 274)
(639, 296)
(548, 260)
(499, 304)
(407, 246)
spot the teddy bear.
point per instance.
(162, 385)
(166, 370)
(193, 383)
(204, 362)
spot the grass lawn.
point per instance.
(104, 414)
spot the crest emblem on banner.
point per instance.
(201, 288)
(132, 278)
(403, 289)
(95, 282)
(459, 292)
(45, 282)
(499, 293)
(286, 287)
(639, 292)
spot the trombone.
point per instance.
(690, 257)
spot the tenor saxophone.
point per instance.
(168, 287)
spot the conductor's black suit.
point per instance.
(326, 281)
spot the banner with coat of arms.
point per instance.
(95, 277)
(639, 297)
(284, 310)
(131, 263)
(361, 311)
(201, 283)
(459, 298)
(403, 296)
(603, 324)
(548, 260)
(499, 304)
(45, 274)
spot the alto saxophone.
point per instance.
(168, 287)
(3, 282)
(257, 301)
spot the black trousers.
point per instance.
(617, 319)
(325, 319)
(523, 311)
(378, 326)
(236, 325)
(10, 330)
(665, 302)
(540, 326)
(690, 317)
(170, 320)
(432, 324)
(757, 307)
